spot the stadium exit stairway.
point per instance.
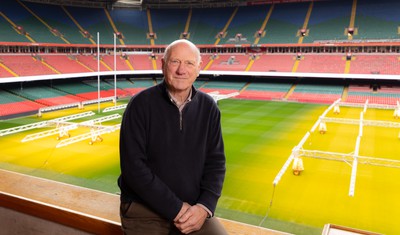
(290, 91)
(345, 93)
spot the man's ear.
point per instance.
(199, 68)
(163, 64)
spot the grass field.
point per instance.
(259, 137)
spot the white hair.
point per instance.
(167, 51)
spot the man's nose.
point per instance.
(181, 68)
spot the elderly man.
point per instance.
(172, 153)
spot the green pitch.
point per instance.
(259, 137)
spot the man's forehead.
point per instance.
(183, 54)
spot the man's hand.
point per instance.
(183, 210)
(192, 220)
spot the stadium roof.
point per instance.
(79, 3)
(205, 3)
(162, 3)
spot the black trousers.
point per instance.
(137, 219)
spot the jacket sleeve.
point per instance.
(214, 168)
(137, 178)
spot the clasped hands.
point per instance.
(190, 218)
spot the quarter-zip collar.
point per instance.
(163, 87)
(180, 107)
(174, 101)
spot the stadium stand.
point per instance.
(274, 63)
(325, 63)
(245, 25)
(328, 21)
(32, 24)
(246, 21)
(132, 24)
(64, 63)
(144, 62)
(90, 61)
(80, 89)
(11, 104)
(231, 62)
(207, 30)
(57, 22)
(223, 26)
(94, 21)
(5, 71)
(43, 63)
(207, 59)
(223, 87)
(123, 87)
(265, 91)
(281, 28)
(377, 20)
(199, 83)
(168, 25)
(382, 95)
(316, 93)
(43, 95)
(10, 34)
(375, 64)
(25, 65)
(138, 85)
(121, 63)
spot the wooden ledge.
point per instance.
(85, 209)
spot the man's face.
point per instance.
(181, 68)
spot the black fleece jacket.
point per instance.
(169, 157)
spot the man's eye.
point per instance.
(175, 62)
(189, 63)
